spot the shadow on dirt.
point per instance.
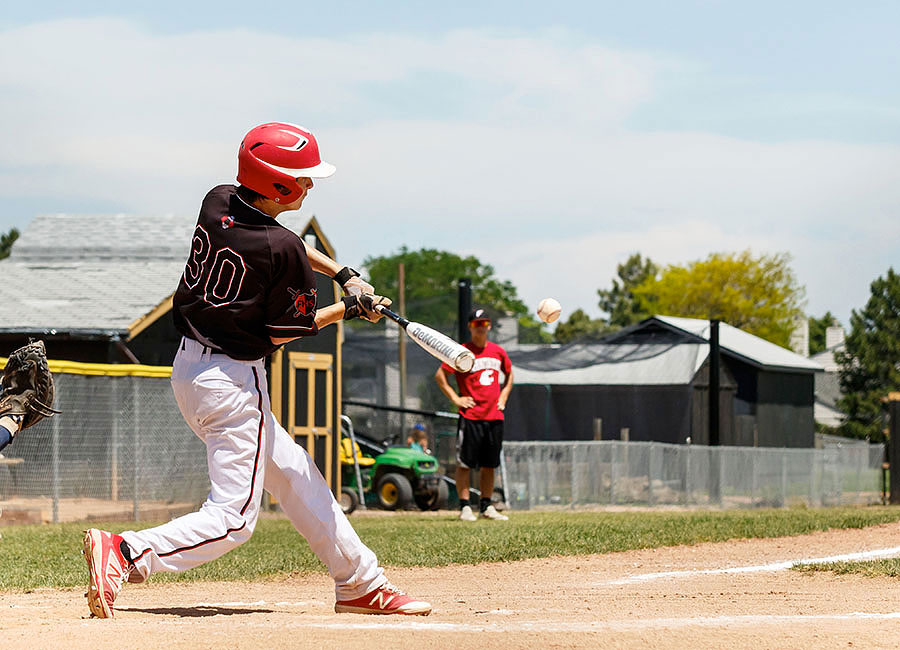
(198, 611)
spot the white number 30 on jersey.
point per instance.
(223, 279)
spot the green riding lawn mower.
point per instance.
(391, 478)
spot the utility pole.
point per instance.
(715, 488)
(401, 344)
(713, 383)
(893, 445)
(464, 307)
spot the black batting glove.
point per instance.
(352, 283)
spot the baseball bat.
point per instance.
(433, 342)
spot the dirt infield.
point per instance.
(734, 594)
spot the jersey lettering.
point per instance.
(193, 270)
(486, 378)
(225, 278)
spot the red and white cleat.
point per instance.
(107, 570)
(384, 600)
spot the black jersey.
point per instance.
(247, 279)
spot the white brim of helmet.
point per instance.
(322, 170)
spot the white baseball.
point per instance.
(549, 310)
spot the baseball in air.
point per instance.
(549, 309)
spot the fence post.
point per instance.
(720, 473)
(54, 451)
(812, 478)
(784, 477)
(136, 410)
(687, 474)
(754, 452)
(612, 472)
(114, 441)
(529, 464)
(573, 482)
(859, 471)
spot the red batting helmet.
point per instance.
(273, 156)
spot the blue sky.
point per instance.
(550, 141)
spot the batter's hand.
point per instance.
(351, 283)
(358, 287)
(368, 303)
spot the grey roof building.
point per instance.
(97, 288)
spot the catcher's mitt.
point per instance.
(27, 385)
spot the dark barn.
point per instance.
(650, 382)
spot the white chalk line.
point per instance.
(420, 625)
(775, 566)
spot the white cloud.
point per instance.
(511, 146)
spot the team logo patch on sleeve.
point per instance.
(227, 221)
(304, 303)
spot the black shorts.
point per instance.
(478, 443)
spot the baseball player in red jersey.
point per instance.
(248, 286)
(482, 397)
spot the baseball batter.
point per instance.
(248, 287)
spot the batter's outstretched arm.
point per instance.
(351, 283)
(324, 317)
(320, 262)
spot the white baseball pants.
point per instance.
(226, 403)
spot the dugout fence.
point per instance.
(119, 448)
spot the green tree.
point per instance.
(817, 327)
(431, 285)
(7, 241)
(620, 302)
(581, 327)
(531, 330)
(757, 294)
(870, 363)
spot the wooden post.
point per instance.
(893, 404)
(715, 486)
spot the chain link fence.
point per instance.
(119, 448)
(648, 473)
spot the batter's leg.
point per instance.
(224, 404)
(293, 478)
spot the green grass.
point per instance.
(49, 555)
(870, 569)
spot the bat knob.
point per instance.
(465, 361)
